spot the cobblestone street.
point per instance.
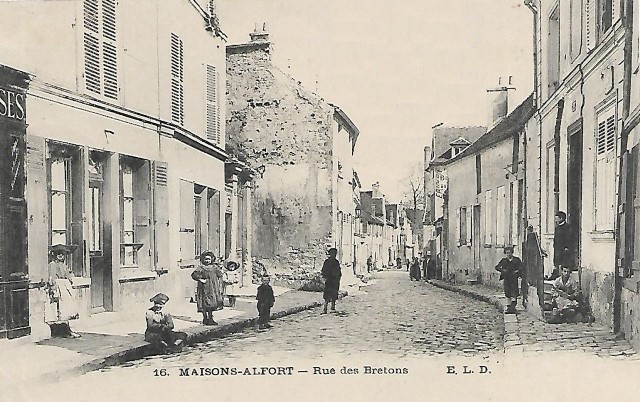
(395, 316)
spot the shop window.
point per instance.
(96, 169)
(134, 212)
(64, 193)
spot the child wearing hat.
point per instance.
(230, 281)
(510, 268)
(160, 326)
(62, 298)
(266, 299)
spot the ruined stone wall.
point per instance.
(273, 121)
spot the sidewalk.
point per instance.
(114, 338)
(527, 335)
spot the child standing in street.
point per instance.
(266, 299)
(510, 269)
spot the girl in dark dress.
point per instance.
(332, 274)
(510, 268)
(209, 291)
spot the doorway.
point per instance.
(574, 188)
(99, 263)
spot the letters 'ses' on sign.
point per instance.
(12, 104)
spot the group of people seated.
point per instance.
(567, 301)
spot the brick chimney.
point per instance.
(260, 34)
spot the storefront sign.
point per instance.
(12, 104)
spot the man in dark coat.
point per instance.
(332, 274)
(562, 245)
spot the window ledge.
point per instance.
(80, 282)
(185, 264)
(487, 245)
(138, 275)
(602, 236)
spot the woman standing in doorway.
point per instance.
(209, 292)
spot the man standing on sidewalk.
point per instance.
(331, 273)
(562, 245)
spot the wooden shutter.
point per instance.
(37, 208)
(91, 46)
(177, 79)
(469, 224)
(591, 23)
(187, 220)
(458, 228)
(213, 105)
(161, 216)
(109, 53)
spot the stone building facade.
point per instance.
(303, 201)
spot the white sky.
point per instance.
(395, 67)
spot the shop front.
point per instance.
(14, 278)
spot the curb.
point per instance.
(477, 296)
(194, 336)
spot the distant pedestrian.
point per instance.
(369, 264)
(160, 333)
(562, 245)
(510, 269)
(414, 273)
(230, 281)
(62, 299)
(398, 263)
(209, 291)
(266, 299)
(331, 273)
(431, 268)
(425, 263)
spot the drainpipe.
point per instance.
(621, 259)
(536, 103)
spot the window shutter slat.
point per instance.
(213, 105)
(91, 15)
(177, 79)
(92, 63)
(110, 63)
(109, 19)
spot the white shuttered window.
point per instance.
(213, 105)
(100, 47)
(605, 185)
(177, 79)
